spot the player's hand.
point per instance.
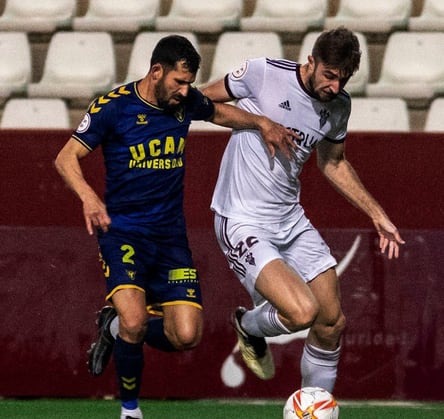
(277, 137)
(95, 214)
(389, 238)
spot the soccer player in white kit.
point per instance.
(276, 253)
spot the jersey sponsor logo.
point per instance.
(155, 154)
(182, 275)
(285, 105)
(238, 73)
(84, 124)
(305, 140)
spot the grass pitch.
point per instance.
(206, 409)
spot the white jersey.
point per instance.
(251, 185)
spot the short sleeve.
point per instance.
(202, 107)
(246, 79)
(95, 125)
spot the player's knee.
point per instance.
(132, 329)
(329, 332)
(340, 324)
(186, 338)
(302, 315)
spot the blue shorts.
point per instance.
(160, 266)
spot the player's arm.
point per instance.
(217, 91)
(340, 173)
(275, 135)
(67, 164)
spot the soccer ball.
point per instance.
(311, 403)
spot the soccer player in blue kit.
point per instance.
(142, 127)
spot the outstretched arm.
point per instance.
(275, 135)
(336, 168)
(67, 164)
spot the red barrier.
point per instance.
(51, 281)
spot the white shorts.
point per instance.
(249, 247)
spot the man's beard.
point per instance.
(325, 98)
(163, 103)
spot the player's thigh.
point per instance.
(286, 290)
(183, 324)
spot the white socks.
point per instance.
(319, 367)
(114, 327)
(263, 321)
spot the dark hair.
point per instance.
(338, 48)
(173, 49)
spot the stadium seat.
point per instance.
(412, 66)
(431, 17)
(37, 16)
(377, 16)
(379, 114)
(78, 65)
(35, 113)
(118, 16)
(357, 84)
(248, 45)
(16, 67)
(435, 116)
(144, 43)
(286, 16)
(201, 16)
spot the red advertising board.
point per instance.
(393, 346)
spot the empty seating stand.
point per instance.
(118, 16)
(37, 16)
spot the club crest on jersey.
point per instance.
(179, 114)
(141, 119)
(250, 259)
(324, 116)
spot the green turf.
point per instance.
(204, 409)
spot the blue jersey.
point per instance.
(144, 152)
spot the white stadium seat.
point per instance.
(358, 82)
(118, 16)
(37, 16)
(286, 16)
(144, 43)
(78, 65)
(24, 113)
(431, 17)
(377, 16)
(435, 116)
(379, 114)
(412, 66)
(201, 16)
(247, 45)
(15, 68)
